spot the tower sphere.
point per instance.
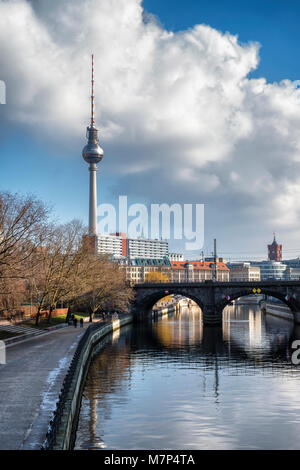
(92, 152)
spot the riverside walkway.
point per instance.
(30, 383)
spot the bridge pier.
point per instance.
(211, 316)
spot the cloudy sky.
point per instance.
(195, 102)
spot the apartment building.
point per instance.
(119, 246)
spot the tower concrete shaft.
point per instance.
(93, 200)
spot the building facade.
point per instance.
(271, 270)
(117, 245)
(114, 245)
(292, 263)
(198, 271)
(243, 272)
(211, 259)
(292, 274)
(138, 269)
(146, 248)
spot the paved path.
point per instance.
(30, 383)
(21, 329)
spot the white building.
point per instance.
(110, 244)
(271, 270)
(292, 274)
(244, 272)
(119, 246)
(143, 248)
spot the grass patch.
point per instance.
(81, 315)
(43, 323)
(7, 334)
(60, 319)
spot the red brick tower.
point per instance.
(275, 251)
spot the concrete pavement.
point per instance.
(30, 383)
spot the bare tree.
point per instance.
(49, 263)
(105, 286)
(22, 229)
(58, 268)
(70, 266)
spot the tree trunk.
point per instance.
(91, 316)
(50, 313)
(38, 314)
(68, 314)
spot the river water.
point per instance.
(174, 384)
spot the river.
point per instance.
(174, 384)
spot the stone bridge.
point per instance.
(212, 297)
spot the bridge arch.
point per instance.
(292, 303)
(145, 303)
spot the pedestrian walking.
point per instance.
(81, 322)
(75, 322)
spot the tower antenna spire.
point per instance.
(92, 95)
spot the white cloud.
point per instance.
(174, 107)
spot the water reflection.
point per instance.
(186, 329)
(174, 384)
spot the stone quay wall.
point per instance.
(62, 429)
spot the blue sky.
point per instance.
(272, 23)
(215, 136)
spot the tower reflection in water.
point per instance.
(152, 381)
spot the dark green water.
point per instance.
(174, 384)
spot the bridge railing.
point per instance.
(178, 281)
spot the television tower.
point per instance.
(93, 154)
